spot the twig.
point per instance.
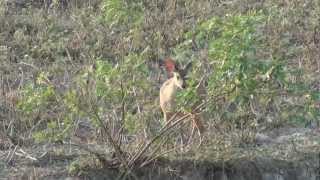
(69, 57)
(162, 131)
(11, 153)
(146, 162)
(157, 148)
(154, 139)
(26, 155)
(31, 65)
(20, 153)
(117, 148)
(168, 126)
(84, 148)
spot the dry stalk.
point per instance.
(166, 128)
(170, 125)
(117, 148)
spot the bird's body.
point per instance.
(168, 92)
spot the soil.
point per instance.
(287, 154)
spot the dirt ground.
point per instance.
(291, 153)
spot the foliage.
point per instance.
(122, 12)
(234, 44)
(38, 98)
(261, 59)
(104, 88)
(122, 87)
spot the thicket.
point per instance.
(98, 63)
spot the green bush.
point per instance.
(261, 59)
(257, 86)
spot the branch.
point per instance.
(169, 126)
(117, 148)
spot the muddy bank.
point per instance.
(163, 169)
(241, 169)
(284, 154)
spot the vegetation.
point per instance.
(68, 63)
